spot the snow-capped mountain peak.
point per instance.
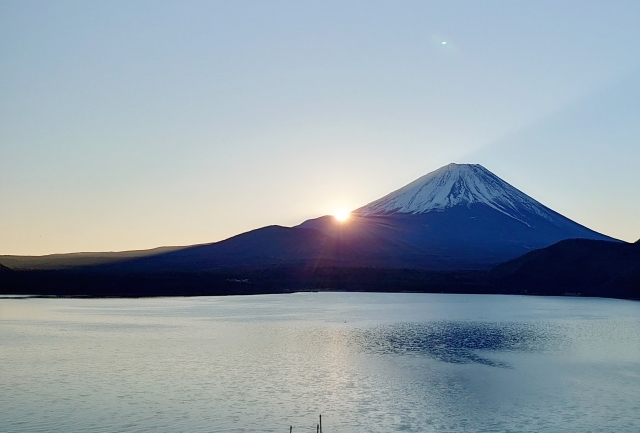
(458, 185)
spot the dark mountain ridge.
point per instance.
(73, 260)
(588, 267)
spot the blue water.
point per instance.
(366, 362)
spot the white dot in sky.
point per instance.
(444, 42)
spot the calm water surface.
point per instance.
(367, 362)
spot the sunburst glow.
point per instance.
(341, 215)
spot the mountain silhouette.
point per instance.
(578, 266)
(459, 217)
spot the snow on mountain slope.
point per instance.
(459, 184)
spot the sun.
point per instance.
(341, 215)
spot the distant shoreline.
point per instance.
(90, 283)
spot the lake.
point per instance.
(367, 362)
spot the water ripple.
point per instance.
(459, 342)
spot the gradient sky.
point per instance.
(135, 124)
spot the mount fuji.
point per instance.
(459, 217)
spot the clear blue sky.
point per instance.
(135, 124)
